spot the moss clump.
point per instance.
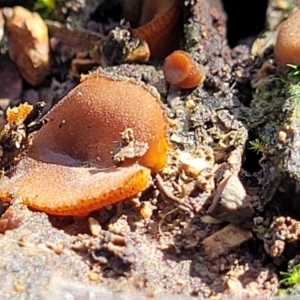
(50, 9)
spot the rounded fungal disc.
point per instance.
(68, 170)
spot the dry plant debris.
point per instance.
(153, 22)
(15, 136)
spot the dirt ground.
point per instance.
(180, 238)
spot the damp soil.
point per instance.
(152, 246)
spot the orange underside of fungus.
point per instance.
(69, 170)
(160, 33)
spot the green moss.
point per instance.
(291, 278)
(258, 146)
(291, 282)
(49, 9)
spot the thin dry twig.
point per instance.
(168, 196)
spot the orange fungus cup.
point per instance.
(69, 169)
(287, 47)
(181, 70)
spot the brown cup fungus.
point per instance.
(161, 32)
(69, 170)
(287, 47)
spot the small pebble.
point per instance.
(93, 276)
(94, 226)
(282, 136)
(146, 210)
(192, 165)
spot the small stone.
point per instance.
(19, 285)
(192, 165)
(146, 210)
(282, 135)
(231, 203)
(94, 226)
(28, 44)
(225, 240)
(93, 276)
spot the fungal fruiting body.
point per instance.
(182, 71)
(287, 47)
(160, 33)
(69, 170)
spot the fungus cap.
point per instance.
(181, 70)
(287, 47)
(68, 170)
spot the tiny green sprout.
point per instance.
(258, 146)
(291, 278)
(295, 68)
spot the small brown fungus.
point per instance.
(287, 47)
(157, 26)
(69, 169)
(181, 70)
